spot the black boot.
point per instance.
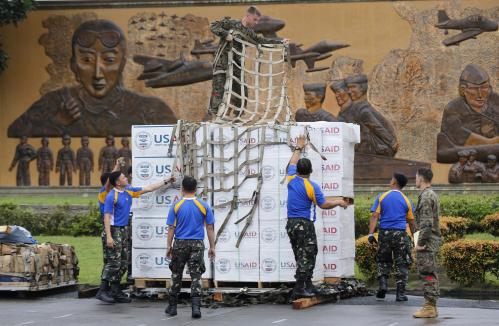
(104, 293)
(172, 305)
(118, 295)
(300, 291)
(196, 307)
(383, 287)
(309, 286)
(401, 292)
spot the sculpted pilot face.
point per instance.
(356, 91)
(476, 95)
(342, 96)
(312, 99)
(99, 50)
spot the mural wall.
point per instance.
(155, 67)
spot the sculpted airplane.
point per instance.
(166, 73)
(316, 52)
(471, 27)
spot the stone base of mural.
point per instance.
(376, 169)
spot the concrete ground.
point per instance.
(366, 311)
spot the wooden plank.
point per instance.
(305, 302)
(332, 280)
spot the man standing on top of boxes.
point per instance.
(186, 220)
(116, 220)
(302, 195)
(394, 211)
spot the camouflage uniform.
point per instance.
(394, 243)
(117, 258)
(221, 29)
(190, 252)
(426, 215)
(301, 233)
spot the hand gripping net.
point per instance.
(255, 85)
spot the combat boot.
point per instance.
(172, 305)
(118, 295)
(104, 293)
(429, 310)
(196, 307)
(309, 286)
(300, 291)
(383, 288)
(401, 292)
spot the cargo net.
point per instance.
(226, 164)
(255, 85)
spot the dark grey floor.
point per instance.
(67, 310)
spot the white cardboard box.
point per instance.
(152, 140)
(243, 266)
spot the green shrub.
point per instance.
(62, 221)
(490, 224)
(365, 257)
(467, 261)
(474, 208)
(453, 228)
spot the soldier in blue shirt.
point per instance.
(186, 221)
(303, 194)
(394, 211)
(116, 221)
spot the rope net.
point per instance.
(255, 85)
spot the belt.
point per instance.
(392, 230)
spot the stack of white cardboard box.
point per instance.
(240, 153)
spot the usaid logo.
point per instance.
(146, 201)
(329, 186)
(329, 249)
(330, 267)
(331, 168)
(330, 230)
(247, 234)
(268, 235)
(143, 140)
(269, 265)
(331, 149)
(224, 236)
(268, 172)
(329, 213)
(223, 265)
(162, 261)
(248, 171)
(331, 131)
(243, 141)
(268, 204)
(144, 262)
(144, 231)
(288, 265)
(166, 200)
(246, 265)
(162, 139)
(144, 170)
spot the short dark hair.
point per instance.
(113, 177)
(401, 179)
(189, 184)
(104, 177)
(304, 166)
(129, 171)
(252, 10)
(426, 174)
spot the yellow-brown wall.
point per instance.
(372, 30)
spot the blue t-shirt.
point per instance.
(101, 198)
(188, 216)
(395, 210)
(302, 194)
(118, 204)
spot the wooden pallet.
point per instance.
(144, 283)
(32, 287)
(251, 285)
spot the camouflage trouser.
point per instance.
(427, 267)
(103, 238)
(394, 246)
(190, 252)
(303, 240)
(218, 90)
(130, 231)
(116, 258)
